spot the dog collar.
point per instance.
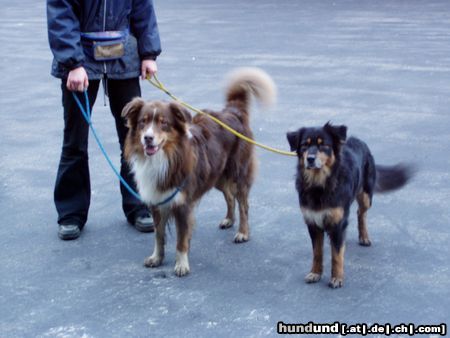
(171, 197)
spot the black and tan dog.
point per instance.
(332, 172)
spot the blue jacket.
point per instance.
(67, 19)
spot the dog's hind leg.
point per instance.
(184, 220)
(364, 203)
(229, 191)
(160, 217)
(364, 199)
(243, 232)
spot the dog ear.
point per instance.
(180, 113)
(294, 138)
(130, 111)
(339, 133)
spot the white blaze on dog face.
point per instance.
(153, 125)
(148, 133)
(161, 125)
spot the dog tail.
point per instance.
(393, 177)
(242, 83)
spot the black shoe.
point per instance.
(69, 231)
(144, 223)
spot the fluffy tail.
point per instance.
(244, 82)
(393, 177)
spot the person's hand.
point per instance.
(148, 68)
(77, 80)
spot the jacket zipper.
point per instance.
(104, 63)
(104, 28)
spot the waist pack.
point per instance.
(105, 46)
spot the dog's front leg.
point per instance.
(184, 221)
(337, 239)
(317, 236)
(160, 218)
(337, 266)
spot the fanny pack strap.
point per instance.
(105, 35)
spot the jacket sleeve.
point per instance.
(145, 28)
(64, 33)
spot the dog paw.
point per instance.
(226, 223)
(240, 238)
(312, 277)
(336, 283)
(153, 261)
(181, 270)
(182, 264)
(365, 242)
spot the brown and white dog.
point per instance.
(176, 159)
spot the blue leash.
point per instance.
(87, 116)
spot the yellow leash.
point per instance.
(156, 83)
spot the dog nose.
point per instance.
(311, 159)
(148, 139)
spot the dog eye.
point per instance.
(164, 123)
(324, 147)
(141, 124)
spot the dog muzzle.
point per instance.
(313, 162)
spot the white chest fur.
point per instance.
(321, 217)
(148, 172)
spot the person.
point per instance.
(113, 41)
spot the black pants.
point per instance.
(72, 193)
